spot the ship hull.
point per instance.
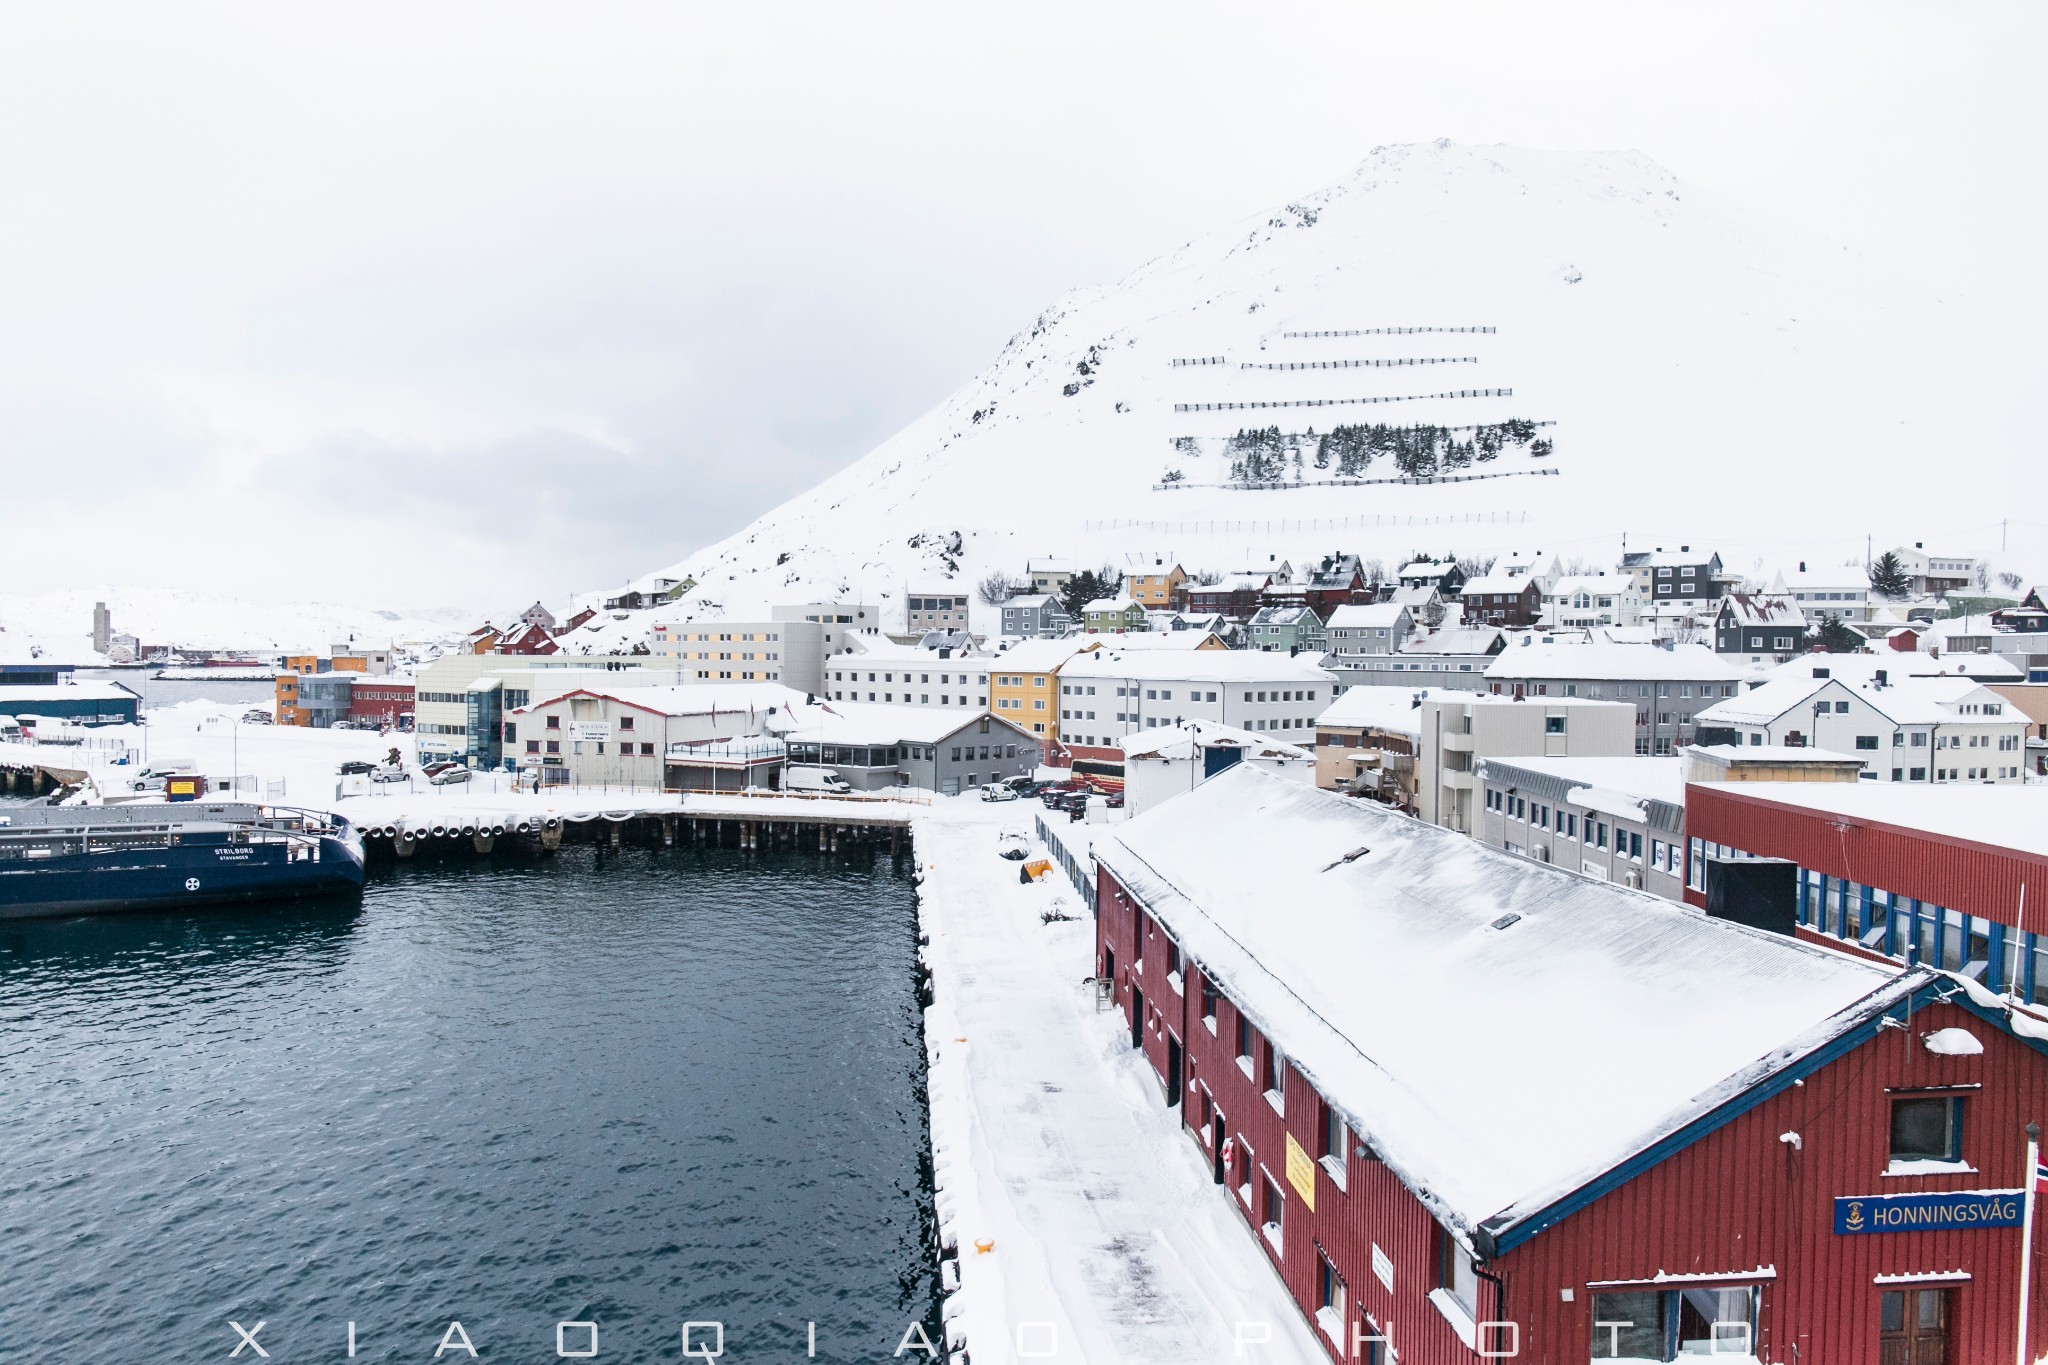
(146, 879)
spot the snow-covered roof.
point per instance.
(1997, 815)
(1454, 640)
(683, 699)
(79, 691)
(845, 722)
(1611, 662)
(1604, 585)
(1764, 609)
(1427, 568)
(1903, 700)
(1195, 665)
(1367, 616)
(1118, 604)
(1496, 984)
(1667, 559)
(1191, 736)
(1237, 582)
(1038, 656)
(1032, 602)
(1514, 585)
(1283, 616)
(1948, 627)
(1162, 636)
(1769, 753)
(1397, 710)
(867, 650)
(1635, 778)
(1414, 595)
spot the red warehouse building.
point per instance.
(1955, 876)
(1477, 1108)
(382, 701)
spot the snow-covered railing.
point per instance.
(1078, 865)
(1342, 402)
(1386, 331)
(1352, 481)
(1358, 364)
(1293, 524)
(1199, 360)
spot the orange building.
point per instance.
(1156, 589)
(1024, 688)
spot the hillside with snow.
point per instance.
(1589, 348)
(58, 625)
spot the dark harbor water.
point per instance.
(637, 1088)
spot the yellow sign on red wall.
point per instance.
(1301, 1172)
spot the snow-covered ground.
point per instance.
(59, 623)
(1104, 1238)
(1671, 339)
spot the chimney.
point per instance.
(1685, 549)
(1820, 673)
(1882, 680)
(1802, 566)
(1919, 544)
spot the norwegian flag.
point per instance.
(2040, 1176)
(829, 711)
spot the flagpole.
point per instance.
(2027, 1236)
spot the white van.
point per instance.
(813, 777)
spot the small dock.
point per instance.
(404, 825)
(38, 770)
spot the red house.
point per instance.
(528, 638)
(383, 701)
(1474, 1107)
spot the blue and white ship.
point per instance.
(72, 860)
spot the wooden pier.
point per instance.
(404, 828)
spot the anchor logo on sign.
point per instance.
(1854, 1222)
(191, 883)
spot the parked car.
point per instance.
(449, 776)
(998, 791)
(256, 715)
(1115, 800)
(387, 773)
(1053, 792)
(356, 767)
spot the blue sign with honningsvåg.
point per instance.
(1928, 1212)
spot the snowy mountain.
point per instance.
(1686, 373)
(59, 624)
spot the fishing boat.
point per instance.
(73, 860)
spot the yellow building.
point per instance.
(1154, 590)
(1024, 684)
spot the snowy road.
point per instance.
(1107, 1241)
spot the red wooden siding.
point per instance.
(1737, 1199)
(1978, 879)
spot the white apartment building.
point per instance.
(880, 670)
(1111, 693)
(1903, 728)
(1584, 601)
(1934, 575)
(786, 652)
(1842, 591)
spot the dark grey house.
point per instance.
(1037, 617)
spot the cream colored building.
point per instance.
(1459, 730)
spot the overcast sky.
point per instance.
(432, 305)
